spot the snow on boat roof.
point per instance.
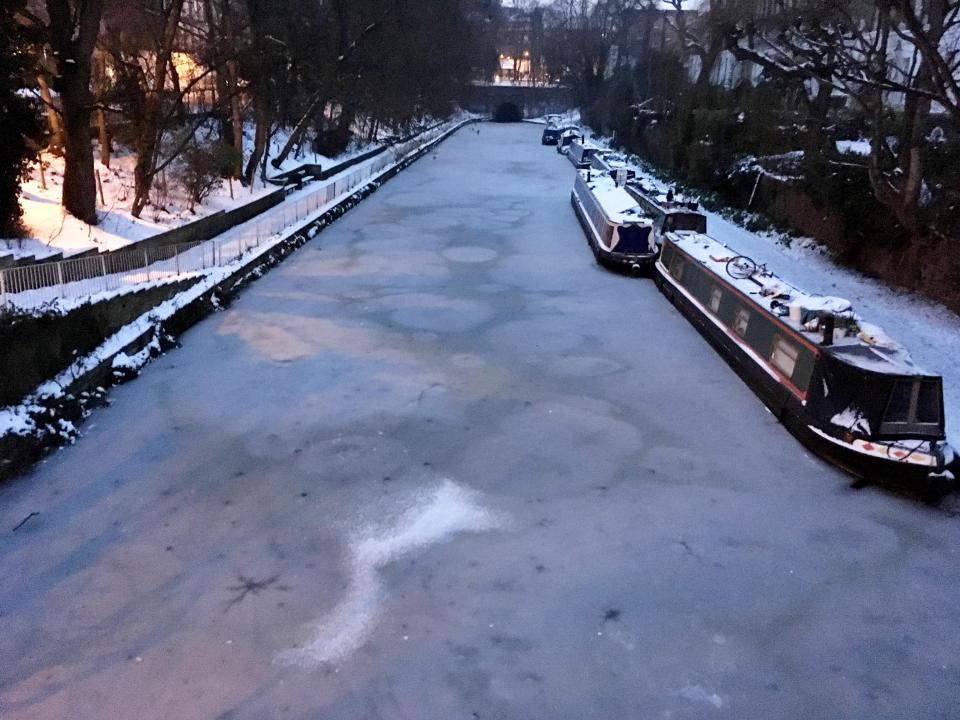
(872, 349)
(679, 204)
(618, 205)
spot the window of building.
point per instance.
(741, 321)
(784, 355)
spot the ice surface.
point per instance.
(435, 516)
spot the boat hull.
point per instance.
(922, 481)
(633, 264)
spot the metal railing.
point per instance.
(35, 285)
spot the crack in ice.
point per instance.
(435, 517)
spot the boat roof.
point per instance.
(679, 204)
(618, 205)
(872, 349)
(589, 145)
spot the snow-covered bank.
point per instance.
(930, 331)
(53, 231)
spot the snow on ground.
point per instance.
(52, 230)
(929, 331)
(853, 147)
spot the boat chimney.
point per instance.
(827, 321)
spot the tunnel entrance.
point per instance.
(507, 112)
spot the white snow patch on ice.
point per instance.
(696, 694)
(434, 517)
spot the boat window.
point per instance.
(741, 321)
(715, 296)
(676, 267)
(784, 356)
(634, 238)
(928, 403)
(898, 406)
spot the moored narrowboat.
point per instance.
(617, 229)
(581, 152)
(566, 138)
(611, 163)
(671, 211)
(841, 386)
(551, 134)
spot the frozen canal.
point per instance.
(440, 465)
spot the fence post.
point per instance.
(3, 288)
(60, 277)
(146, 263)
(176, 258)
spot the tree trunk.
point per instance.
(235, 114)
(104, 138)
(53, 118)
(261, 109)
(815, 149)
(79, 184)
(148, 135)
(73, 40)
(298, 130)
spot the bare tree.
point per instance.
(73, 30)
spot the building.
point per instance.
(519, 47)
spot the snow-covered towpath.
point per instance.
(439, 464)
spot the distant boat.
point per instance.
(841, 386)
(619, 232)
(580, 153)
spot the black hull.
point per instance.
(916, 480)
(634, 265)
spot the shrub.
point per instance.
(202, 169)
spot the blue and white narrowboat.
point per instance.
(618, 230)
(840, 385)
(580, 153)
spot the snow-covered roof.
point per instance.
(679, 202)
(870, 349)
(618, 205)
